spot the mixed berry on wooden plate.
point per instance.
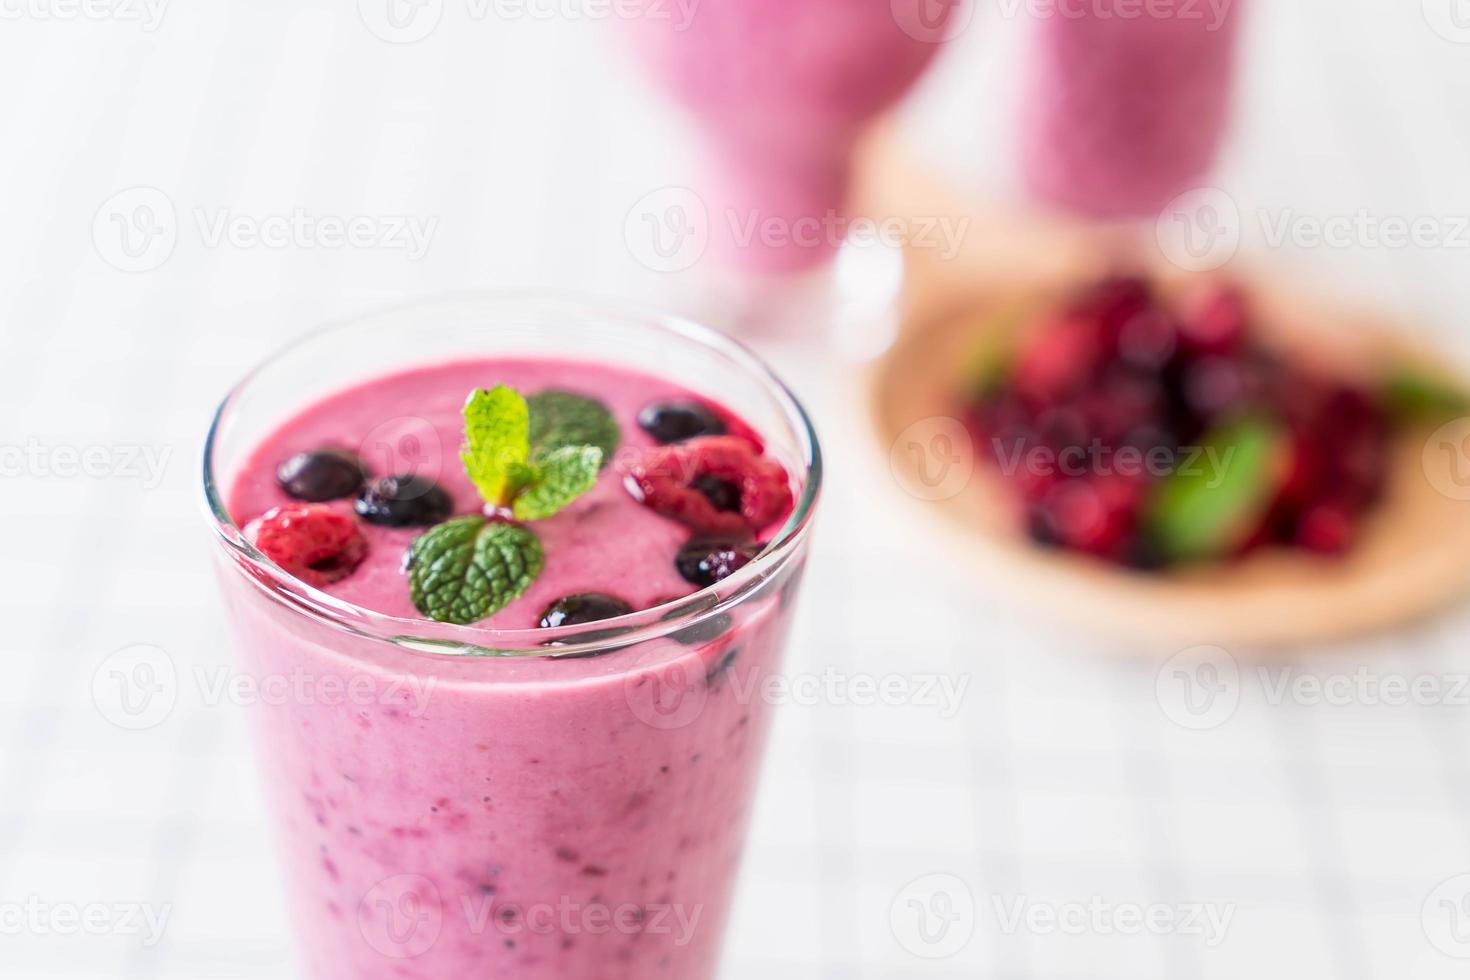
(1152, 432)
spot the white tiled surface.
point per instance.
(1057, 780)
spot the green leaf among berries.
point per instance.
(564, 418)
(469, 568)
(562, 476)
(497, 443)
(530, 456)
(1211, 508)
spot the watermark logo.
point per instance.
(933, 916)
(1199, 688)
(1363, 229)
(136, 688)
(933, 459)
(147, 14)
(401, 917)
(1096, 458)
(401, 21)
(1446, 917)
(1446, 459)
(404, 446)
(1213, 14)
(1099, 917)
(408, 693)
(940, 693)
(932, 21)
(667, 230)
(566, 917)
(1450, 19)
(122, 461)
(136, 230)
(1200, 230)
(666, 695)
(37, 917)
(411, 234)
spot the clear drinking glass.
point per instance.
(453, 801)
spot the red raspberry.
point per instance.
(313, 542)
(1058, 360)
(718, 484)
(1215, 320)
(1326, 529)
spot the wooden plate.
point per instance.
(1413, 551)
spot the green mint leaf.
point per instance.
(564, 418)
(1214, 500)
(1412, 394)
(468, 568)
(563, 475)
(496, 442)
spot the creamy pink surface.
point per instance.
(782, 90)
(454, 816)
(411, 422)
(1122, 113)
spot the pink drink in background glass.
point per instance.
(1125, 109)
(782, 89)
(444, 814)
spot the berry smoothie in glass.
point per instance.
(1126, 104)
(781, 92)
(522, 565)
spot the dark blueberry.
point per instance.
(704, 630)
(723, 495)
(404, 501)
(705, 561)
(670, 422)
(1039, 528)
(583, 607)
(1143, 554)
(722, 666)
(324, 474)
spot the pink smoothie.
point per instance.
(448, 816)
(782, 91)
(1125, 109)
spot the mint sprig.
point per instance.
(530, 458)
(497, 443)
(518, 453)
(468, 568)
(560, 477)
(565, 418)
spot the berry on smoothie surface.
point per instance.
(323, 474)
(498, 487)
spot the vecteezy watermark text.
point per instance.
(941, 692)
(403, 916)
(64, 461)
(298, 228)
(1202, 687)
(1211, 13)
(137, 688)
(669, 230)
(37, 917)
(1098, 459)
(411, 21)
(138, 229)
(147, 14)
(935, 916)
(1203, 229)
(1099, 917)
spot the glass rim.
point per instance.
(430, 638)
